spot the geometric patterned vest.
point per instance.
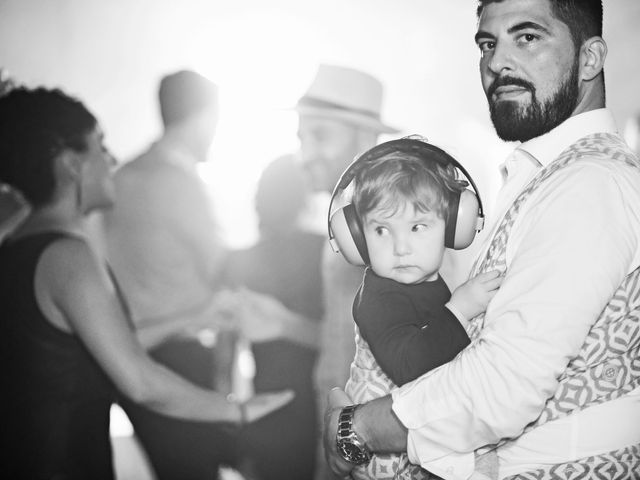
(608, 364)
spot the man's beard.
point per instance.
(513, 121)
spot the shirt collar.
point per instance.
(549, 146)
(175, 153)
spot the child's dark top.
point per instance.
(408, 328)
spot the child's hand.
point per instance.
(472, 297)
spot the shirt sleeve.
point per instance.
(570, 248)
(404, 344)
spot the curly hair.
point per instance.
(36, 125)
(392, 180)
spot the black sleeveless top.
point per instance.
(56, 400)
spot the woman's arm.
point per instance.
(76, 294)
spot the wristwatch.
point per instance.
(348, 443)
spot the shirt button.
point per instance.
(610, 372)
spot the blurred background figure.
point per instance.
(162, 242)
(67, 341)
(285, 265)
(339, 118)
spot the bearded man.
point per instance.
(551, 379)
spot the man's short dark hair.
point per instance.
(183, 94)
(583, 17)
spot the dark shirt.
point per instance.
(56, 398)
(287, 267)
(407, 327)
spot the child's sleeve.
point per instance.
(404, 344)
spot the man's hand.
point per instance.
(261, 318)
(337, 399)
(258, 317)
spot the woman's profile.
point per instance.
(67, 342)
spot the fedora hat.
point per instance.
(346, 94)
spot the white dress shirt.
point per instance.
(574, 241)
(162, 235)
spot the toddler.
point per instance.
(407, 321)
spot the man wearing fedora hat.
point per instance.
(339, 118)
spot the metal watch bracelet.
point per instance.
(348, 443)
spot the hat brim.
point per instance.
(355, 118)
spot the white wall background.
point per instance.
(111, 53)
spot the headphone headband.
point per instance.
(403, 145)
(412, 145)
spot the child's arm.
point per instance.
(472, 297)
(404, 344)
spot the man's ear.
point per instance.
(592, 56)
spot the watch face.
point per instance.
(351, 453)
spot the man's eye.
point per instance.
(528, 38)
(486, 46)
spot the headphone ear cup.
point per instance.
(348, 235)
(466, 221)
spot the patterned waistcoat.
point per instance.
(608, 364)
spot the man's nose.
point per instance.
(501, 59)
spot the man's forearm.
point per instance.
(379, 427)
(374, 423)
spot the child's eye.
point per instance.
(420, 227)
(380, 231)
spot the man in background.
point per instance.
(162, 243)
(339, 118)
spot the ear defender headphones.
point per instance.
(465, 213)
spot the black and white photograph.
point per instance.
(320, 240)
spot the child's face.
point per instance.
(407, 246)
